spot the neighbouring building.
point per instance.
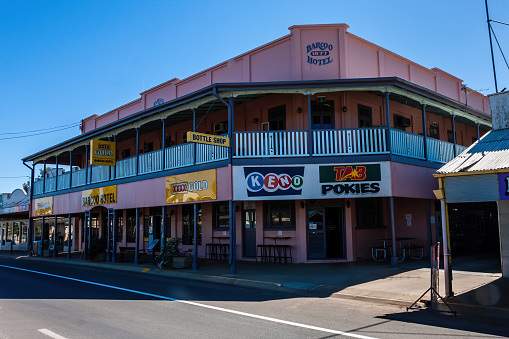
(14, 220)
(474, 189)
(333, 143)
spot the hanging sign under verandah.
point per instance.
(208, 139)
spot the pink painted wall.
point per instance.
(286, 59)
(412, 181)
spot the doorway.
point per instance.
(322, 115)
(249, 230)
(326, 232)
(277, 118)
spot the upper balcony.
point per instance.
(273, 144)
(358, 119)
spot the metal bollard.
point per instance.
(12, 243)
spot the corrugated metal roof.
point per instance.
(488, 154)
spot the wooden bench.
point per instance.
(128, 250)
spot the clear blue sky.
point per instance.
(61, 61)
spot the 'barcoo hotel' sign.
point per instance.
(318, 53)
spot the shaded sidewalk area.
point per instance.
(476, 292)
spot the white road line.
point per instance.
(51, 334)
(255, 316)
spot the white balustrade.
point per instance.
(271, 144)
(179, 156)
(210, 153)
(349, 141)
(150, 162)
(126, 168)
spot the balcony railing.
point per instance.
(271, 144)
(407, 144)
(349, 141)
(362, 141)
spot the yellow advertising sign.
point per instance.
(44, 206)
(188, 187)
(99, 196)
(102, 153)
(209, 139)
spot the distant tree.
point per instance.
(41, 171)
(26, 187)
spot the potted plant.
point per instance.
(172, 253)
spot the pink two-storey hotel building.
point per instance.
(333, 145)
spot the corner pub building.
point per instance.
(333, 142)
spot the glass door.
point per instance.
(316, 234)
(249, 233)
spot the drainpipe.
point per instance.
(478, 132)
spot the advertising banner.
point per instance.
(189, 187)
(99, 196)
(102, 153)
(312, 181)
(43, 206)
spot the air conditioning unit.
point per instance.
(221, 127)
(402, 121)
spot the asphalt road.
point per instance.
(44, 299)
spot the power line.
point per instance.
(44, 129)
(23, 176)
(32, 135)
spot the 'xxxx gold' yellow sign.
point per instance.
(44, 206)
(99, 196)
(188, 187)
(102, 153)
